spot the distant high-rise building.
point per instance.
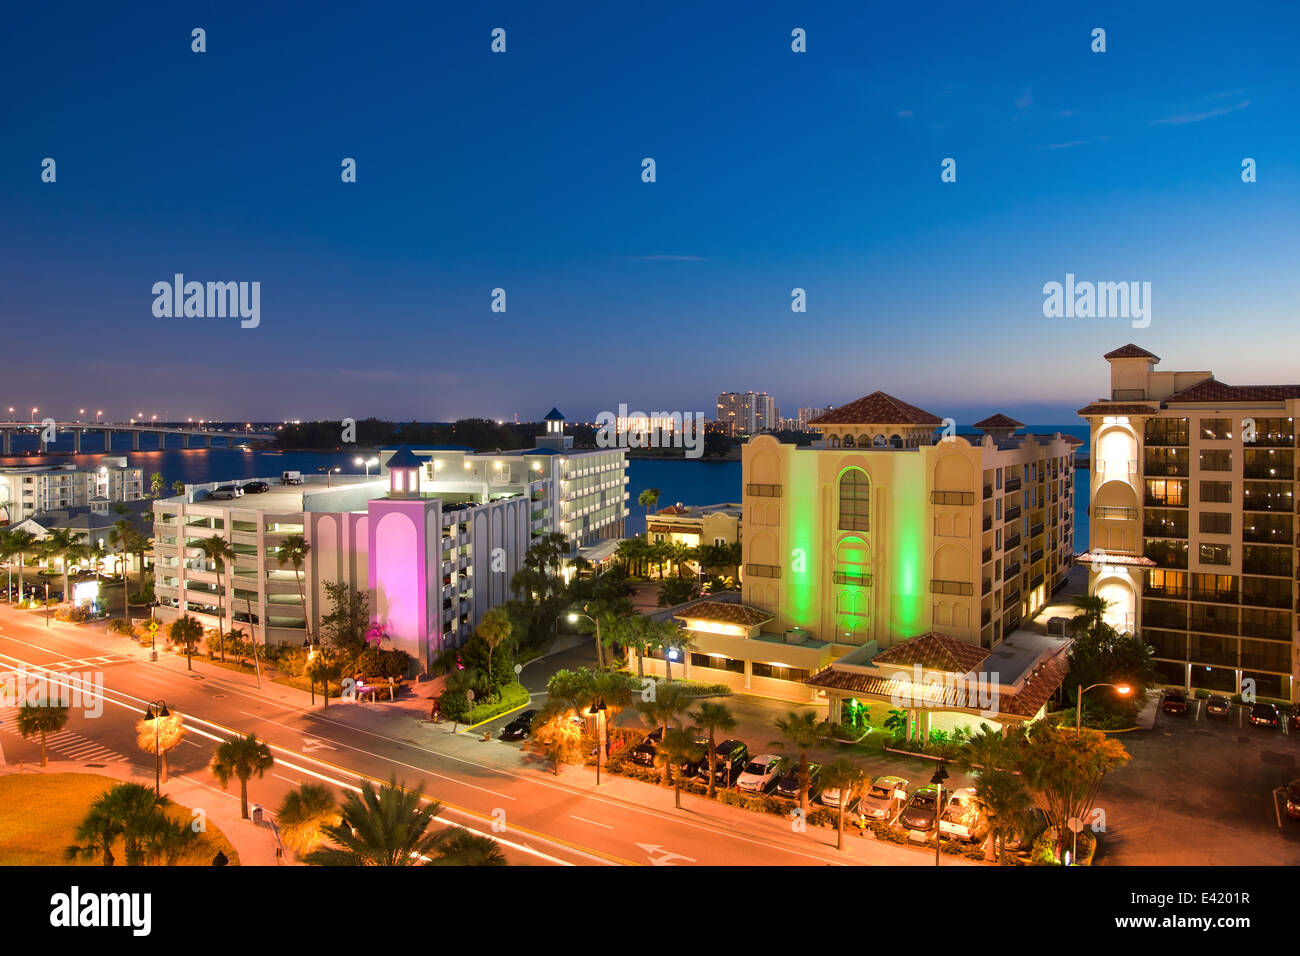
(747, 413)
(806, 415)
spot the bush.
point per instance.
(454, 705)
(119, 626)
(510, 696)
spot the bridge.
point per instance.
(134, 429)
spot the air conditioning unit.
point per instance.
(796, 635)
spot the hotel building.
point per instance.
(747, 413)
(27, 490)
(1192, 522)
(879, 535)
(694, 525)
(434, 540)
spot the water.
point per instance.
(690, 482)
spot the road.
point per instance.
(539, 818)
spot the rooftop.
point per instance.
(877, 408)
(1131, 351)
(718, 612)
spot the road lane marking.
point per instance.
(592, 822)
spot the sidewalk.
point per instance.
(256, 844)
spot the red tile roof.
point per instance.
(877, 409)
(671, 510)
(999, 421)
(1110, 557)
(1117, 408)
(1131, 351)
(1212, 390)
(936, 652)
(724, 613)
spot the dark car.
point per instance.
(1293, 799)
(256, 487)
(1175, 702)
(1025, 835)
(1293, 722)
(644, 752)
(1218, 706)
(919, 812)
(520, 727)
(729, 759)
(1265, 715)
(788, 785)
(697, 768)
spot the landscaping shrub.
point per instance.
(119, 626)
(509, 697)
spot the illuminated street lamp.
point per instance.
(157, 717)
(97, 414)
(600, 654)
(940, 775)
(597, 710)
(34, 411)
(1123, 690)
(367, 462)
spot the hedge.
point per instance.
(511, 695)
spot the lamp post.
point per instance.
(367, 462)
(1123, 690)
(597, 710)
(47, 603)
(311, 675)
(600, 654)
(940, 775)
(156, 716)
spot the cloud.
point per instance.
(1025, 99)
(1183, 118)
(666, 259)
(904, 112)
(1075, 142)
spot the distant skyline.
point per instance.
(522, 170)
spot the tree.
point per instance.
(1001, 793)
(41, 720)
(294, 551)
(241, 757)
(848, 778)
(1093, 609)
(128, 810)
(186, 631)
(95, 835)
(678, 747)
(67, 547)
(22, 543)
(667, 637)
(218, 551)
(1100, 655)
(344, 627)
(160, 735)
(802, 729)
(493, 630)
(555, 732)
(121, 536)
(647, 500)
(664, 708)
(156, 484)
(324, 666)
(163, 840)
(304, 815)
(675, 591)
(463, 848)
(712, 718)
(388, 826)
(178, 488)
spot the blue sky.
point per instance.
(522, 170)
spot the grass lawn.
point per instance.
(39, 814)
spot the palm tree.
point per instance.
(678, 747)
(22, 543)
(185, 630)
(156, 484)
(217, 550)
(802, 730)
(665, 708)
(463, 848)
(95, 835)
(133, 808)
(303, 816)
(41, 719)
(7, 551)
(121, 537)
(847, 777)
(67, 547)
(1093, 609)
(384, 827)
(1000, 792)
(555, 732)
(164, 840)
(178, 488)
(647, 500)
(294, 551)
(241, 757)
(494, 630)
(160, 735)
(712, 718)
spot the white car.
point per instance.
(885, 795)
(226, 492)
(962, 818)
(761, 773)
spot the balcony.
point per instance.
(1110, 468)
(1036, 530)
(988, 492)
(988, 522)
(1011, 542)
(1012, 514)
(952, 498)
(1013, 484)
(1156, 501)
(1035, 581)
(1011, 571)
(987, 586)
(1036, 555)
(988, 555)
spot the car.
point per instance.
(885, 793)
(1293, 722)
(256, 488)
(1026, 834)
(225, 493)
(1265, 715)
(788, 785)
(761, 773)
(1175, 702)
(830, 797)
(962, 819)
(520, 727)
(918, 814)
(1216, 705)
(1293, 799)
(644, 752)
(696, 768)
(729, 759)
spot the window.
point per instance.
(778, 672)
(1166, 431)
(1216, 429)
(718, 663)
(1164, 493)
(1215, 523)
(1216, 554)
(855, 503)
(1219, 492)
(1216, 460)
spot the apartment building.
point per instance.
(1192, 521)
(747, 413)
(878, 535)
(694, 525)
(806, 415)
(28, 490)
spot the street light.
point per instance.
(47, 603)
(1123, 690)
(600, 656)
(157, 716)
(311, 673)
(97, 414)
(597, 710)
(940, 775)
(367, 462)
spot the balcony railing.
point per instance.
(938, 586)
(1011, 542)
(988, 522)
(1012, 514)
(988, 555)
(987, 586)
(952, 498)
(1010, 571)
(1013, 484)
(988, 491)
(1036, 530)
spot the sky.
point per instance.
(522, 171)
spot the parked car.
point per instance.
(1265, 715)
(1175, 702)
(1293, 722)
(520, 727)
(291, 477)
(644, 752)
(886, 793)
(919, 812)
(1024, 838)
(697, 768)
(729, 760)
(256, 487)
(962, 818)
(225, 492)
(788, 785)
(1218, 706)
(1293, 799)
(761, 773)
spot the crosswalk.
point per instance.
(83, 663)
(73, 746)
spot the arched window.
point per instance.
(848, 441)
(880, 441)
(835, 441)
(855, 501)
(864, 441)
(896, 441)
